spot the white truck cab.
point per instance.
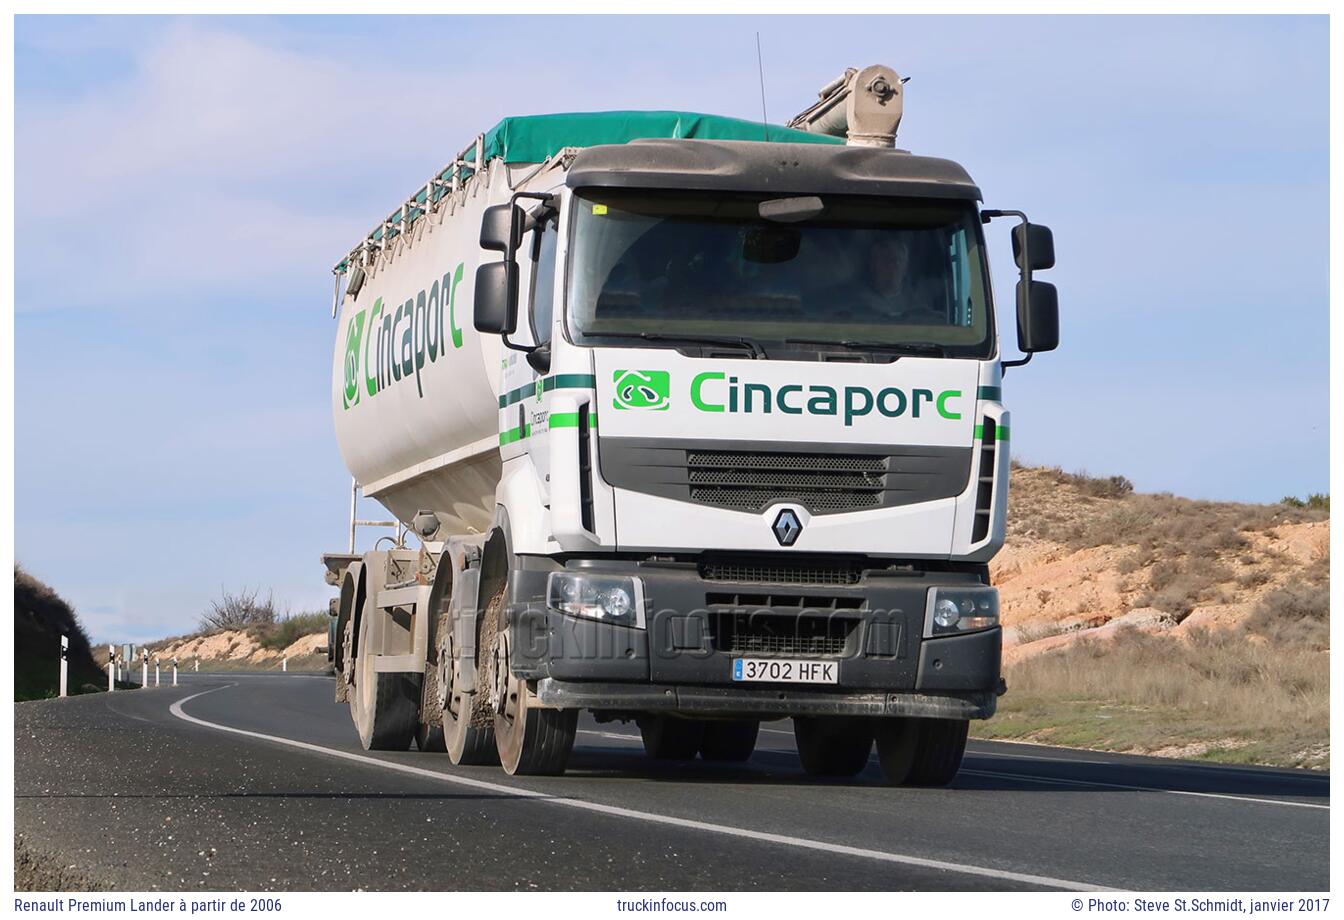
(698, 422)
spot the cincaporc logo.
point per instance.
(644, 390)
(354, 334)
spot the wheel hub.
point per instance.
(499, 691)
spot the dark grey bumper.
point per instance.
(682, 662)
(761, 702)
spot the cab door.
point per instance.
(523, 403)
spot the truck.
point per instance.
(685, 420)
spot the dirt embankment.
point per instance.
(1081, 565)
(1158, 624)
(241, 648)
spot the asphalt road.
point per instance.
(258, 782)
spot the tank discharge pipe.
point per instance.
(862, 106)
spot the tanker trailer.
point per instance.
(685, 420)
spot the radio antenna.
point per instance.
(760, 70)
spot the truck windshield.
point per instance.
(864, 274)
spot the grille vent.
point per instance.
(778, 572)
(751, 480)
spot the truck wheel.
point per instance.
(833, 746)
(468, 722)
(729, 742)
(921, 752)
(385, 705)
(429, 729)
(531, 740)
(670, 738)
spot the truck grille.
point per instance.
(782, 572)
(803, 636)
(752, 480)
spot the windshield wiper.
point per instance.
(895, 348)
(733, 341)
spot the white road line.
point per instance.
(1026, 778)
(618, 735)
(650, 817)
(1038, 779)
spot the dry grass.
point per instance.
(1256, 693)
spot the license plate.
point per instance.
(785, 671)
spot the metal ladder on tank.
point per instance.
(356, 523)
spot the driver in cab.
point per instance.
(888, 287)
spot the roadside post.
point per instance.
(174, 672)
(144, 668)
(198, 664)
(65, 664)
(111, 668)
(156, 670)
(284, 666)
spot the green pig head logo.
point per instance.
(648, 390)
(354, 334)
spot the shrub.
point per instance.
(290, 629)
(239, 611)
(1316, 501)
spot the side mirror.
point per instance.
(496, 301)
(499, 228)
(1037, 316)
(1038, 242)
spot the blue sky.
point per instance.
(184, 185)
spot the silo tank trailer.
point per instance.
(682, 420)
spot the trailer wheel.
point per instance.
(468, 722)
(342, 646)
(921, 752)
(670, 738)
(731, 741)
(531, 740)
(385, 705)
(833, 746)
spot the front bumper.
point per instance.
(738, 701)
(683, 660)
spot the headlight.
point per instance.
(953, 610)
(609, 598)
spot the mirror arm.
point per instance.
(530, 220)
(1024, 272)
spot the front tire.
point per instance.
(531, 740)
(729, 742)
(921, 752)
(670, 738)
(833, 746)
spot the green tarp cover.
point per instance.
(533, 138)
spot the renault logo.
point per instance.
(787, 527)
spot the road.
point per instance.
(258, 782)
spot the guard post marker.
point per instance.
(198, 664)
(156, 670)
(284, 665)
(65, 664)
(111, 668)
(144, 669)
(174, 672)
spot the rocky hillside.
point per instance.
(241, 648)
(1160, 624)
